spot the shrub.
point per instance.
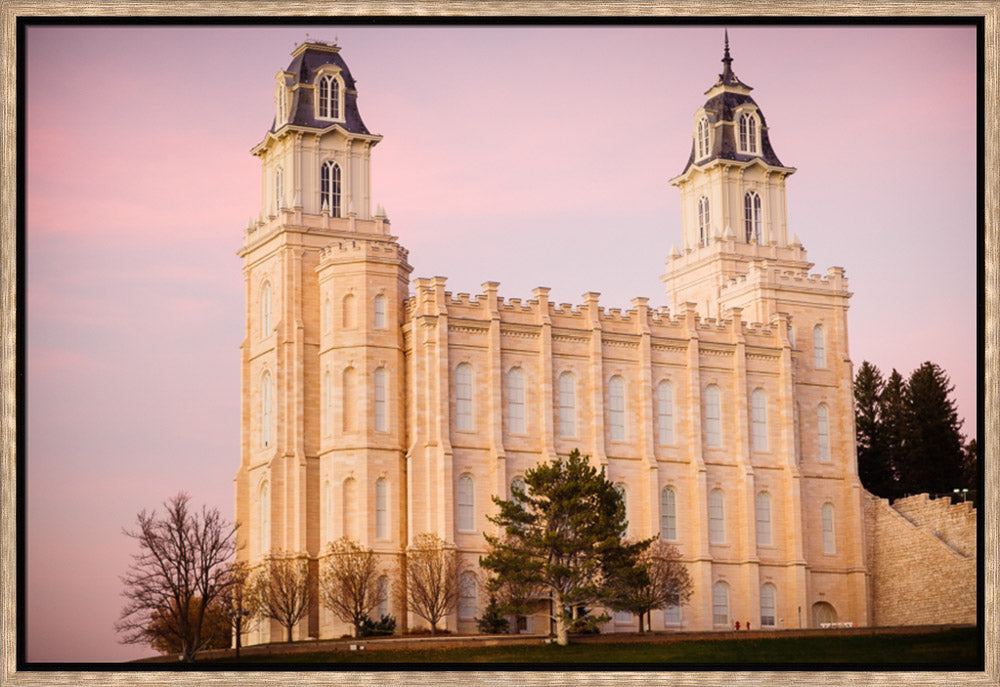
(492, 623)
(386, 625)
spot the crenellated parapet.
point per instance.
(357, 249)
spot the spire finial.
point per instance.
(727, 70)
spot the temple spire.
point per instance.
(727, 75)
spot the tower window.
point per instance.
(758, 411)
(466, 504)
(713, 416)
(767, 605)
(751, 216)
(467, 595)
(616, 408)
(703, 138)
(668, 514)
(704, 220)
(329, 188)
(265, 309)
(829, 543)
(380, 311)
(823, 432)
(328, 414)
(716, 517)
(349, 319)
(350, 400)
(382, 594)
(720, 604)
(265, 410)
(279, 188)
(819, 347)
(665, 412)
(381, 508)
(567, 405)
(463, 397)
(763, 512)
(328, 519)
(515, 401)
(265, 519)
(329, 98)
(623, 492)
(748, 133)
(381, 384)
(281, 105)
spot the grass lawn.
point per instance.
(952, 648)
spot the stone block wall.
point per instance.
(922, 560)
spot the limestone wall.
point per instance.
(922, 560)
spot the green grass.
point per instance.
(951, 648)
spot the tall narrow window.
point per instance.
(381, 508)
(758, 425)
(668, 515)
(829, 542)
(264, 502)
(720, 604)
(623, 492)
(665, 412)
(767, 605)
(713, 416)
(350, 318)
(703, 140)
(381, 391)
(467, 595)
(519, 483)
(349, 512)
(704, 221)
(751, 216)
(328, 402)
(616, 408)
(328, 510)
(265, 309)
(350, 400)
(672, 611)
(819, 347)
(515, 401)
(266, 418)
(763, 508)
(463, 397)
(567, 405)
(716, 517)
(279, 188)
(329, 98)
(329, 188)
(280, 106)
(466, 504)
(382, 594)
(380, 312)
(748, 133)
(823, 433)
(328, 316)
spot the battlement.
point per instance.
(763, 274)
(353, 249)
(293, 219)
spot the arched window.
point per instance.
(380, 311)
(264, 502)
(720, 604)
(672, 611)
(349, 314)
(623, 492)
(279, 188)
(713, 416)
(329, 188)
(519, 483)
(468, 600)
(280, 105)
(703, 138)
(381, 392)
(716, 517)
(349, 513)
(329, 97)
(829, 540)
(567, 405)
(668, 514)
(704, 221)
(265, 309)
(515, 401)
(466, 504)
(463, 397)
(328, 402)
(665, 412)
(819, 347)
(823, 433)
(758, 424)
(266, 415)
(328, 316)
(763, 509)
(748, 133)
(328, 510)
(382, 594)
(381, 508)
(350, 401)
(767, 605)
(751, 216)
(616, 408)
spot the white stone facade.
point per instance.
(378, 412)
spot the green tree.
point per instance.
(934, 445)
(970, 465)
(877, 473)
(560, 534)
(893, 414)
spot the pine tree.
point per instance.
(934, 443)
(875, 469)
(892, 413)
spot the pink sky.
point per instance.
(544, 152)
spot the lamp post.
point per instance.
(237, 616)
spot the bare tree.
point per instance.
(432, 578)
(348, 582)
(280, 590)
(665, 581)
(180, 571)
(238, 602)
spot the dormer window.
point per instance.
(702, 139)
(751, 216)
(330, 100)
(748, 133)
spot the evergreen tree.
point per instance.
(934, 446)
(892, 413)
(559, 536)
(875, 469)
(970, 465)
